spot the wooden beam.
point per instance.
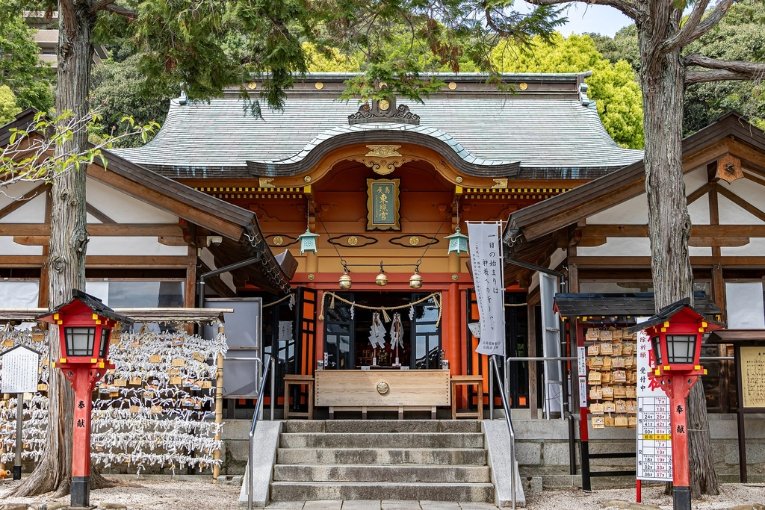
(698, 193)
(732, 231)
(754, 178)
(22, 260)
(199, 216)
(103, 218)
(717, 242)
(23, 200)
(153, 261)
(754, 262)
(96, 229)
(191, 278)
(751, 209)
(31, 240)
(172, 241)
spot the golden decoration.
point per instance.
(459, 179)
(383, 151)
(252, 85)
(383, 104)
(266, 182)
(278, 240)
(383, 388)
(318, 85)
(523, 85)
(452, 85)
(414, 241)
(499, 184)
(311, 276)
(353, 241)
(307, 178)
(455, 277)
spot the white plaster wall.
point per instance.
(695, 179)
(10, 192)
(748, 190)
(756, 247)
(618, 247)
(700, 251)
(33, 211)
(699, 211)
(8, 247)
(114, 245)
(731, 214)
(123, 208)
(632, 212)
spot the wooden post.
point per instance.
(218, 406)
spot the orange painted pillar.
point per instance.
(453, 330)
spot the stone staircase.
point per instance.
(382, 460)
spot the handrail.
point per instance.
(509, 422)
(251, 453)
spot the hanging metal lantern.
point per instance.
(458, 242)
(345, 280)
(308, 241)
(381, 279)
(415, 281)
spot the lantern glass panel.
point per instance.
(79, 341)
(104, 342)
(655, 344)
(681, 348)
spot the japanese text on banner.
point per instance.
(486, 262)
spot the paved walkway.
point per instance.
(378, 505)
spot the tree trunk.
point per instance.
(669, 223)
(68, 237)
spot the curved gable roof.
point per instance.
(543, 130)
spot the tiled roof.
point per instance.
(555, 131)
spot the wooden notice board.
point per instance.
(752, 365)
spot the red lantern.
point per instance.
(676, 333)
(85, 325)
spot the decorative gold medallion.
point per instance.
(414, 241)
(353, 241)
(383, 151)
(318, 85)
(459, 179)
(452, 85)
(523, 85)
(383, 388)
(252, 85)
(278, 240)
(307, 178)
(383, 104)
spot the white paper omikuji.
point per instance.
(156, 408)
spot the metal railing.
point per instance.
(508, 420)
(255, 416)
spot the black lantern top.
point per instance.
(85, 325)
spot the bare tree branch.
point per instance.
(694, 27)
(111, 6)
(693, 77)
(721, 69)
(627, 7)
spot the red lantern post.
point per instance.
(85, 326)
(676, 335)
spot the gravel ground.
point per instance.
(199, 493)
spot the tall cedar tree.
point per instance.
(663, 34)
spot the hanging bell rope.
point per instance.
(435, 296)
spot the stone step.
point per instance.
(382, 440)
(376, 456)
(307, 491)
(372, 426)
(364, 473)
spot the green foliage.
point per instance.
(119, 88)
(623, 46)
(613, 86)
(738, 36)
(8, 106)
(20, 67)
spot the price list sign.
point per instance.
(654, 431)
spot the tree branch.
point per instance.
(111, 6)
(627, 7)
(727, 69)
(694, 27)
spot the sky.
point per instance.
(600, 19)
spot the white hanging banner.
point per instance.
(486, 262)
